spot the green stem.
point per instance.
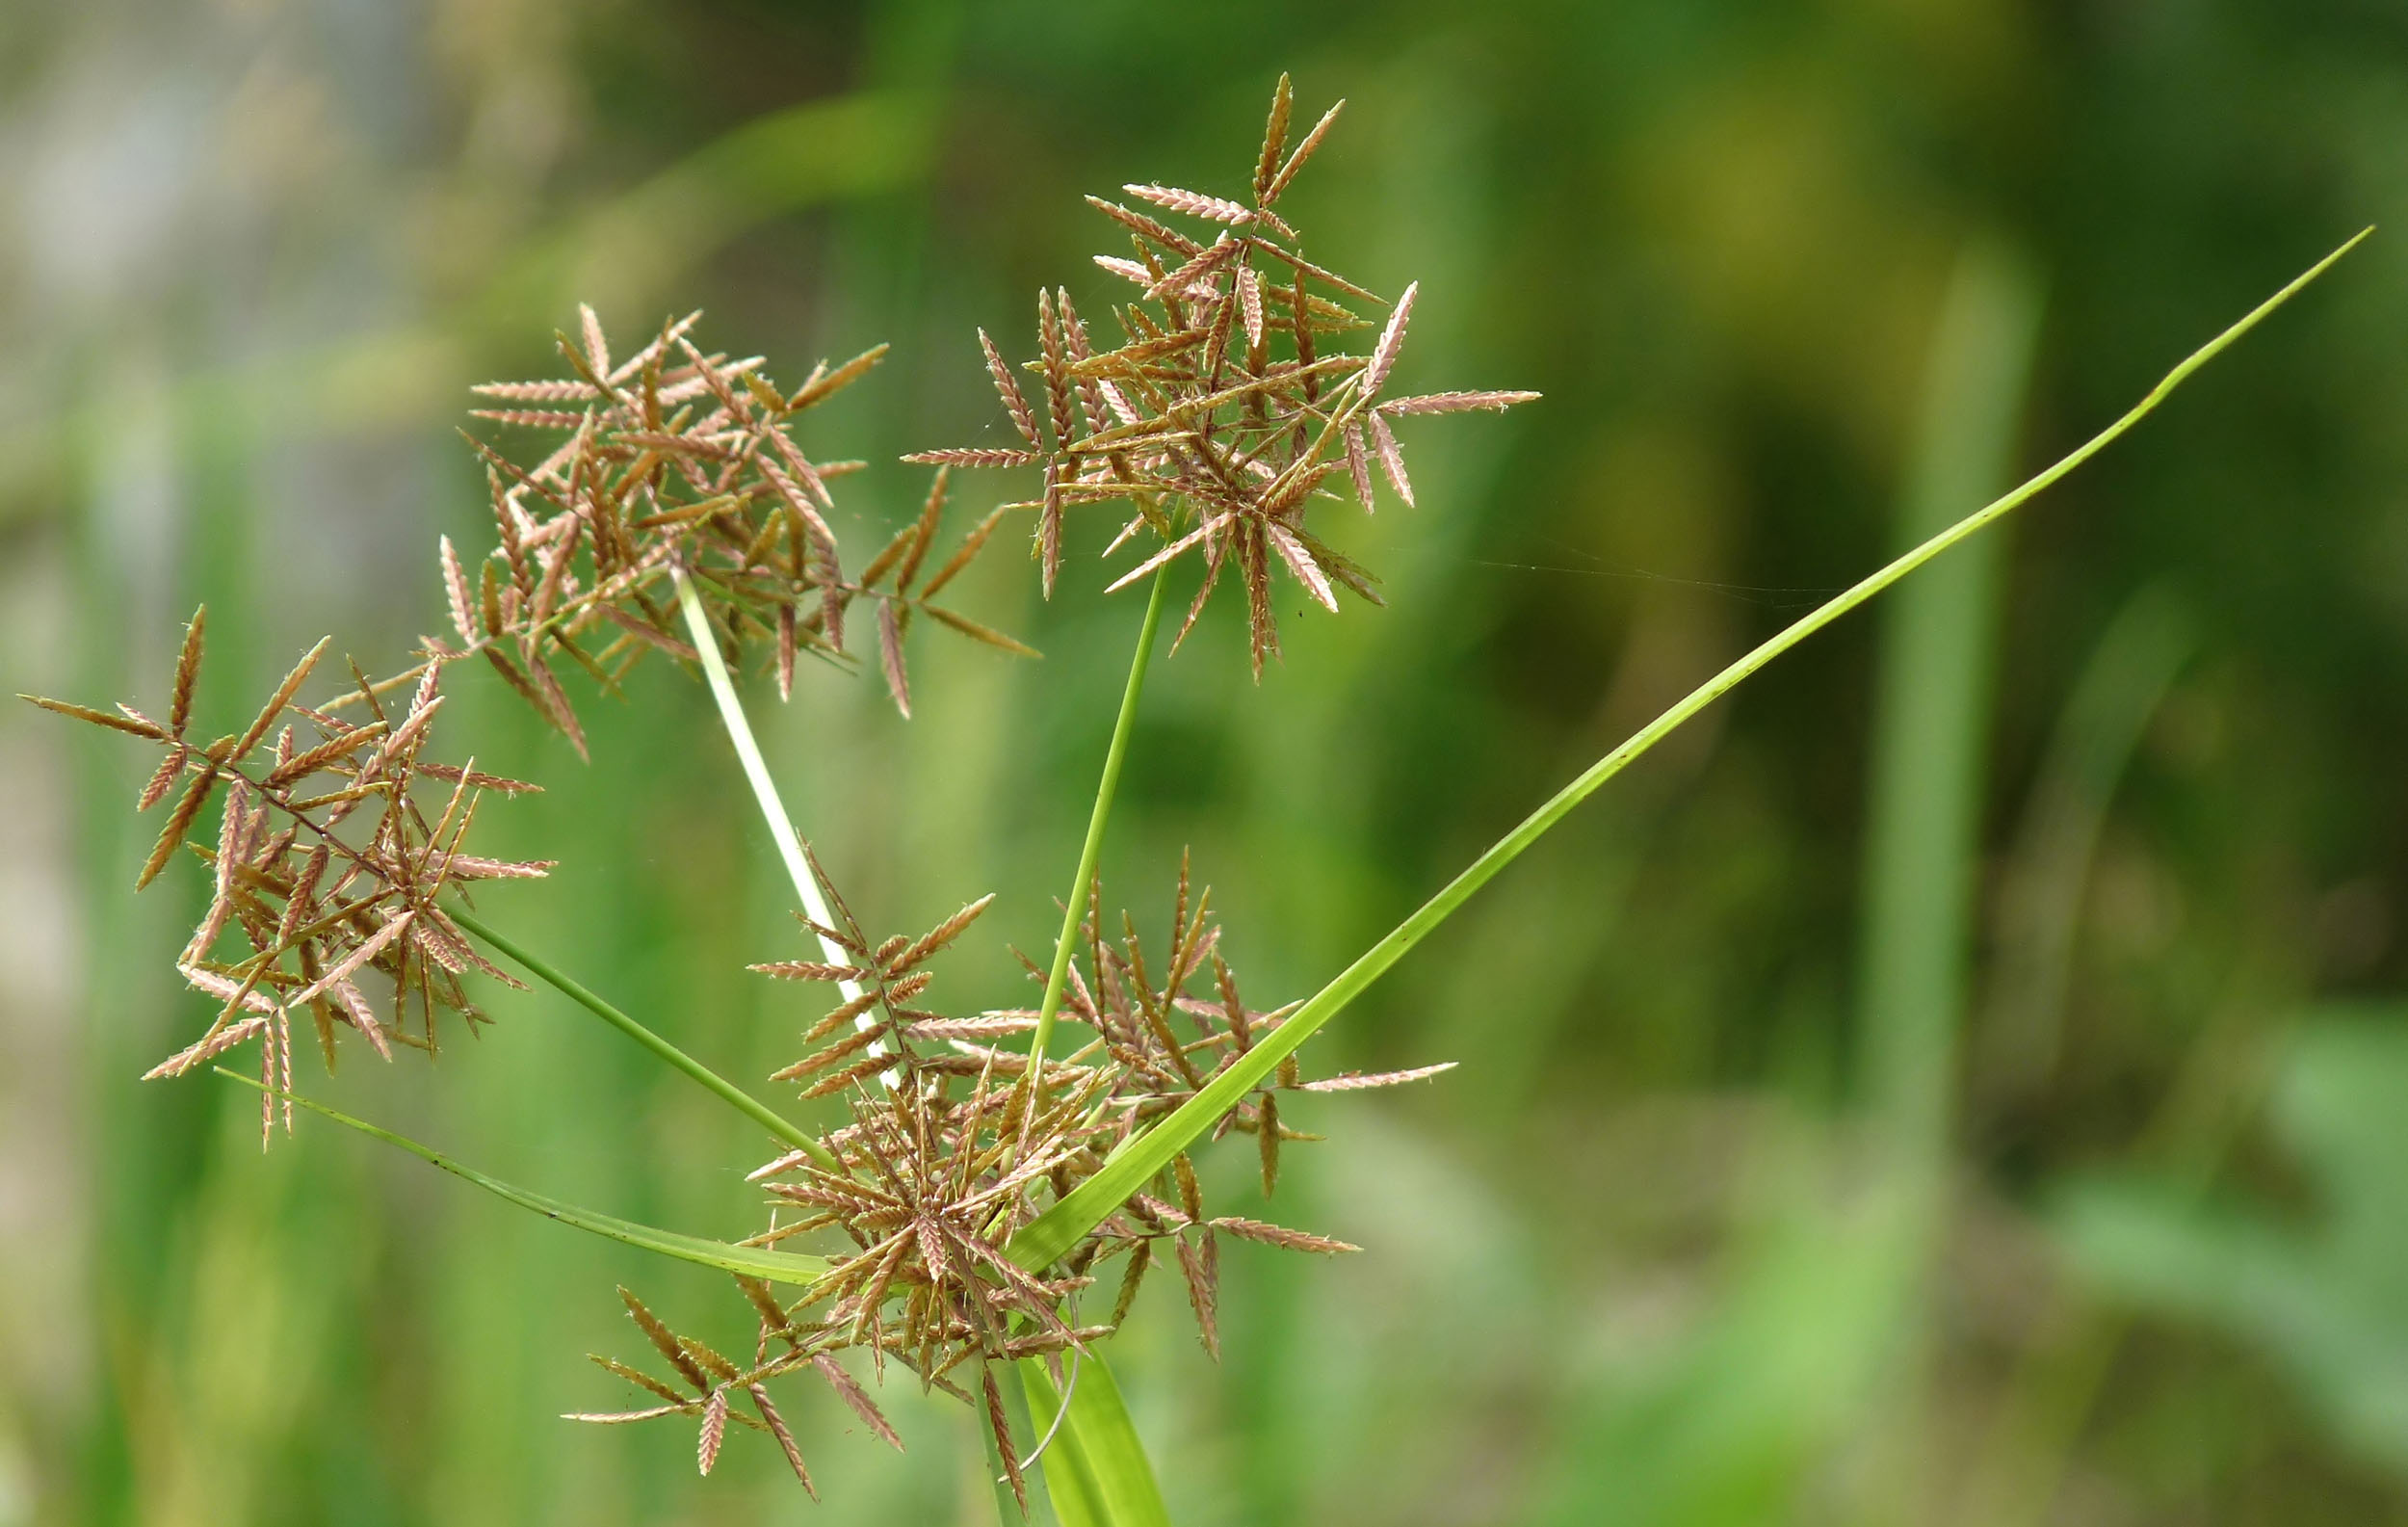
(1075, 908)
(744, 1102)
(1054, 1232)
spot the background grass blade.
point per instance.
(779, 1267)
(1058, 1228)
(2090, 750)
(1932, 717)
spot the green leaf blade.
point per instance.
(778, 1267)
(1053, 1233)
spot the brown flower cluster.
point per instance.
(330, 860)
(326, 862)
(950, 1150)
(1222, 414)
(676, 478)
(680, 462)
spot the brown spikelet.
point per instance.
(810, 970)
(1262, 627)
(478, 779)
(1456, 402)
(838, 1081)
(1250, 305)
(553, 701)
(776, 1424)
(714, 1432)
(309, 761)
(1391, 343)
(133, 724)
(932, 510)
(597, 349)
(1145, 228)
(987, 635)
(891, 656)
(970, 547)
(179, 821)
(1138, 1259)
(1001, 1430)
(284, 692)
(928, 944)
(1190, 1194)
(642, 1381)
(1391, 459)
(1015, 402)
(1049, 530)
(1303, 152)
(368, 949)
(786, 646)
(975, 455)
(1193, 203)
(187, 674)
(664, 1341)
(1188, 279)
(1359, 467)
(208, 1047)
(455, 590)
(857, 1399)
(1357, 1081)
(1274, 140)
(1266, 1138)
(1300, 562)
(821, 388)
(1054, 361)
(1281, 1236)
(1199, 1265)
(170, 770)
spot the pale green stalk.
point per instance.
(752, 1261)
(1081, 884)
(1098, 1426)
(1134, 1163)
(757, 772)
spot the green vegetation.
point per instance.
(1860, 1109)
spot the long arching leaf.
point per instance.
(778, 1267)
(1134, 1163)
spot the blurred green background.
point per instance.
(1960, 1079)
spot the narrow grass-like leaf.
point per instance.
(744, 1102)
(1130, 1167)
(776, 1267)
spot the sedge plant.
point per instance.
(973, 1198)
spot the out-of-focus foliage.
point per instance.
(1646, 1256)
(2326, 1297)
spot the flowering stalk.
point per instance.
(1083, 883)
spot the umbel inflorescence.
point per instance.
(676, 511)
(1225, 410)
